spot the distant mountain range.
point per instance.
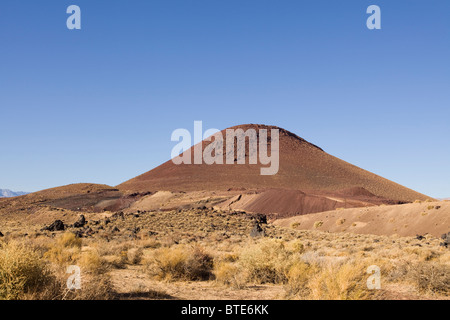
(5, 193)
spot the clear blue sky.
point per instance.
(99, 104)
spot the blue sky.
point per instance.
(99, 104)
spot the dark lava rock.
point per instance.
(80, 223)
(118, 215)
(419, 237)
(58, 225)
(115, 229)
(84, 233)
(261, 218)
(446, 238)
(135, 230)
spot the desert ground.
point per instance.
(166, 247)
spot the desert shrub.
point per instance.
(22, 271)
(230, 257)
(339, 282)
(24, 274)
(168, 263)
(430, 277)
(91, 262)
(69, 240)
(149, 244)
(422, 254)
(65, 250)
(427, 277)
(298, 277)
(134, 255)
(181, 263)
(93, 287)
(340, 222)
(266, 262)
(199, 264)
(445, 258)
(318, 224)
(296, 246)
(295, 225)
(229, 273)
(116, 262)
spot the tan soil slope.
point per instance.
(404, 220)
(303, 166)
(81, 196)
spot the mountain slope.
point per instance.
(303, 166)
(6, 193)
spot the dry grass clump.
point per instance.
(266, 261)
(65, 250)
(90, 261)
(295, 225)
(93, 287)
(427, 277)
(180, 263)
(118, 255)
(305, 275)
(22, 272)
(296, 246)
(431, 277)
(339, 282)
(229, 273)
(134, 255)
(318, 224)
(298, 278)
(26, 274)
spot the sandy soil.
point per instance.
(134, 283)
(404, 220)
